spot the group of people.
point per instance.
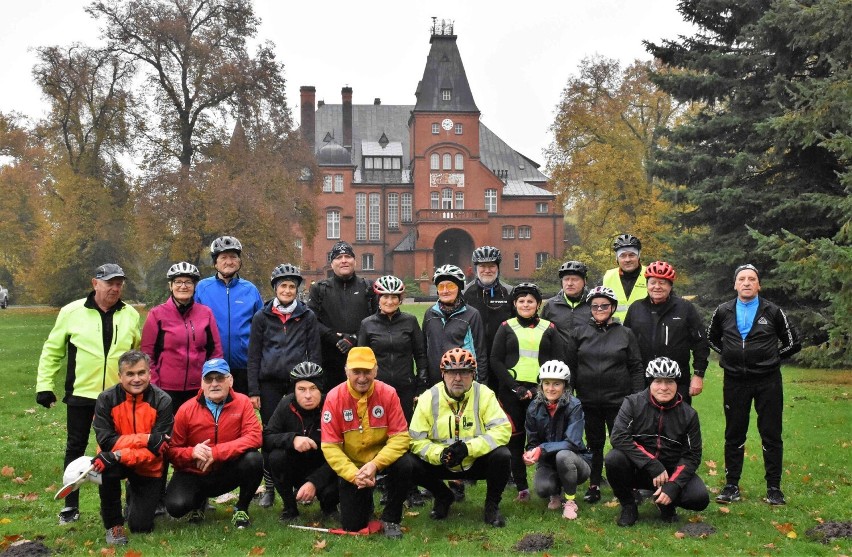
(353, 394)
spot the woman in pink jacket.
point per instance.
(179, 336)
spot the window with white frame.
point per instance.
(491, 200)
(508, 232)
(459, 200)
(338, 183)
(446, 198)
(297, 243)
(540, 259)
(446, 94)
(517, 261)
(459, 129)
(435, 162)
(459, 161)
(332, 224)
(448, 161)
(406, 205)
(367, 262)
(326, 183)
(393, 211)
(436, 128)
(541, 207)
(368, 163)
(375, 216)
(360, 216)
(435, 200)
(524, 232)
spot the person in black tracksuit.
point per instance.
(606, 366)
(569, 309)
(340, 303)
(667, 325)
(397, 341)
(656, 444)
(284, 333)
(292, 438)
(752, 335)
(491, 298)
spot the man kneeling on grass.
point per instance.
(656, 444)
(132, 424)
(214, 448)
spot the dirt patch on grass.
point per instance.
(533, 543)
(697, 530)
(830, 531)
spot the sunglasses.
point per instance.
(601, 307)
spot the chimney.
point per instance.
(320, 103)
(346, 93)
(308, 97)
(377, 101)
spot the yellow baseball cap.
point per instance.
(361, 357)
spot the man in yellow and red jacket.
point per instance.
(133, 421)
(364, 432)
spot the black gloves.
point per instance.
(454, 454)
(158, 443)
(46, 398)
(525, 392)
(346, 343)
(104, 461)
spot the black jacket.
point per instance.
(398, 344)
(771, 338)
(605, 363)
(672, 329)
(565, 317)
(494, 305)
(462, 329)
(659, 438)
(289, 421)
(504, 352)
(275, 348)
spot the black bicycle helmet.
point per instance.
(525, 288)
(573, 268)
(288, 271)
(626, 241)
(486, 254)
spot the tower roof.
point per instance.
(444, 72)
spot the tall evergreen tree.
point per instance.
(747, 159)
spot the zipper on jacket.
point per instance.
(228, 299)
(186, 368)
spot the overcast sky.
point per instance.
(518, 55)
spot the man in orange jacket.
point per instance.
(133, 421)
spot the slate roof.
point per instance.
(444, 70)
(514, 188)
(497, 155)
(374, 149)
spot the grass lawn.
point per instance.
(817, 483)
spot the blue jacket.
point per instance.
(233, 305)
(563, 431)
(462, 329)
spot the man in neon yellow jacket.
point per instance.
(93, 333)
(628, 279)
(459, 431)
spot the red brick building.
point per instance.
(415, 187)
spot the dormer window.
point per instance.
(446, 94)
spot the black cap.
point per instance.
(339, 249)
(108, 271)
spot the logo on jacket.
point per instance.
(326, 416)
(378, 411)
(348, 416)
(762, 321)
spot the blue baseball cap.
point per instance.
(216, 365)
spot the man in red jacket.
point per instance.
(214, 448)
(132, 424)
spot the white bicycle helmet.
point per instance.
(389, 284)
(183, 269)
(225, 243)
(554, 369)
(449, 272)
(76, 467)
(662, 368)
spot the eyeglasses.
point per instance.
(447, 287)
(183, 283)
(459, 372)
(217, 378)
(601, 307)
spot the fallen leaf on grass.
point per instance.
(806, 478)
(132, 553)
(8, 540)
(260, 534)
(792, 534)
(19, 480)
(29, 497)
(679, 535)
(611, 504)
(225, 497)
(712, 472)
(725, 510)
(50, 489)
(784, 528)
(320, 544)
(769, 546)
(696, 518)
(710, 463)
(7, 471)
(30, 410)
(256, 550)
(5, 520)
(412, 513)
(108, 551)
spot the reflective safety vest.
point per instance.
(612, 279)
(529, 341)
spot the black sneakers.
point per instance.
(774, 496)
(69, 515)
(629, 515)
(493, 517)
(391, 530)
(593, 494)
(668, 513)
(729, 494)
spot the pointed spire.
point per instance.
(444, 86)
(238, 136)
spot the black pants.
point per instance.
(79, 424)
(356, 505)
(240, 375)
(179, 397)
(493, 467)
(290, 470)
(768, 397)
(187, 491)
(516, 410)
(271, 393)
(624, 476)
(599, 420)
(143, 494)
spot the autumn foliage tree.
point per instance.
(606, 130)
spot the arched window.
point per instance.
(435, 162)
(459, 162)
(448, 161)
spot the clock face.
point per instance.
(447, 124)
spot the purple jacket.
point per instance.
(180, 344)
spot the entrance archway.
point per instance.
(453, 247)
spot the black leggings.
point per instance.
(79, 424)
(623, 477)
(599, 419)
(188, 491)
(143, 493)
